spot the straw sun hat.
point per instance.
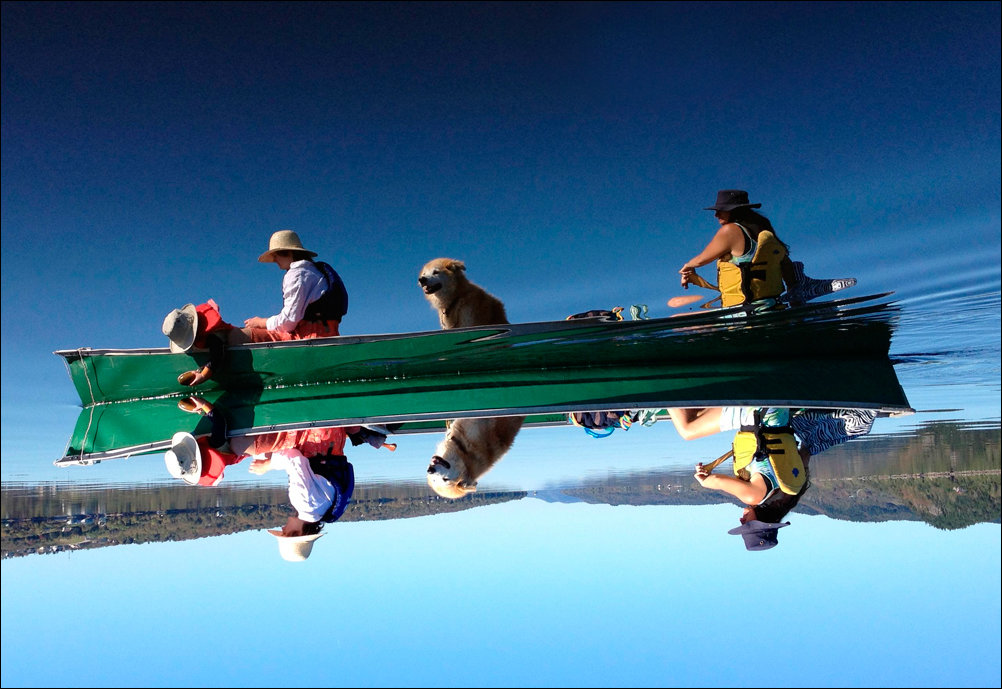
(283, 240)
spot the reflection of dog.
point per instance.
(470, 448)
(459, 302)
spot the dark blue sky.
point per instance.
(564, 151)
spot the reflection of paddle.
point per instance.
(678, 302)
(708, 468)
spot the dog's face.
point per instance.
(447, 474)
(439, 274)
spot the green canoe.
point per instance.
(828, 357)
(839, 329)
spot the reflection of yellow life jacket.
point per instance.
(760, 278)
(776, 444)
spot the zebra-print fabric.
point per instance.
(821, 429)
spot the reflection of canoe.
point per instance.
(543, 370)
(820, 330)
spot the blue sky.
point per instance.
(564, 151)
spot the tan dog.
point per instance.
(470, 449)
(459, 302)
(471, 446)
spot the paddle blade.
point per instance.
(678, 302)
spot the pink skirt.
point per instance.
(311, 442)
(306, 330)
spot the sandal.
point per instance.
(194, 405)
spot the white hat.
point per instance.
(294, 548)
(179, 327)
(283, 240)
(184, 459)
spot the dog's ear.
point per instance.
(467, 486)
(457, 266)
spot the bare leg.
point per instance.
(238, 336)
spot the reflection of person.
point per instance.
(816, 430)
(320, 488)
(321, 480)
(770, 473)
(751, 265)
(198, 327)
(314, 297)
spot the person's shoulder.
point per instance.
(303, 270)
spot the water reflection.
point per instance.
(944, 474)
(320, 478)
(771, 453)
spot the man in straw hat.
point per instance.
(314, 297)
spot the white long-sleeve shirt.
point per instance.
(302, 285)
(309, 494)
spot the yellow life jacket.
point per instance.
(760, 278)
(776, 444)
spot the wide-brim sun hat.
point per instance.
(184, 459)
(179, 326)
(729, 199)
(283, 240)
(759, 535)
(294, 548)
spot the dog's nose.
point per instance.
(422, 281)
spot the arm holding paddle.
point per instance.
(722, 244)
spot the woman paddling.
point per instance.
(752, 263)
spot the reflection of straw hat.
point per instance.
(283, 240)
(184, 459)
(294, 548)
(179, 327)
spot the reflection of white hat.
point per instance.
(179, 327)
(294, 548)
(184, 459)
